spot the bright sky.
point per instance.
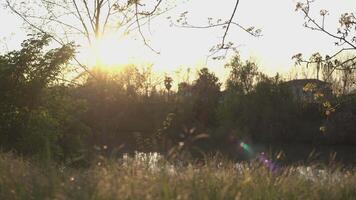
(283, 35)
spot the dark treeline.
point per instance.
(43, 116)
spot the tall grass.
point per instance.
(149, 176)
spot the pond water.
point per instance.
(308, 154)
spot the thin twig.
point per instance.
(229, 23)
(140, 31)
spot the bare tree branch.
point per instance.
(229, 23)
(248, 30)
(57, 21)
(329, 63)
(99, 4)
(107, 17)
(306, 10)
(226, 25)
(91, 19)
(153, 11)
(140, 31)
(82, 21)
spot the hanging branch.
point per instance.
(222, 46)
(141, 33)
(347, 24)
(90, 19)
(229, 23)
(46, 33)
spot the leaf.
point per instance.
(201, 136)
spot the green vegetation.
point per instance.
(131, 110)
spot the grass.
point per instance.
(149, 176)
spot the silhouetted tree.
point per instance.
(35, 115)
(206, 89)
(168, 85)
(242, 76)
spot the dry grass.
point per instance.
(147, 176)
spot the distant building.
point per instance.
(309, 89)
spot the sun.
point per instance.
(111, 50)
(115, 51)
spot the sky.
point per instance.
(283, 35)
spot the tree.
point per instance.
(243, 75)
(89, 18)
(207, 91)
(25, 73)
(168, 85)
(35, 115)
(73, 20)
(345, 37)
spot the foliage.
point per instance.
(124, 108)
(207, 91)
(128, 110)
(242, 75)
(268, 114)
(339, 126)
(34, 113)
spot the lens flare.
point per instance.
(261, 157)
(268, 163)
(246, 147)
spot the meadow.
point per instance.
(150, 176)
(86, 114)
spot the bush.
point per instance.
(37, 117)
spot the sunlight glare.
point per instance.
(112, 51)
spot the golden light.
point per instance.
(112, 51)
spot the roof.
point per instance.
(305, 81)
